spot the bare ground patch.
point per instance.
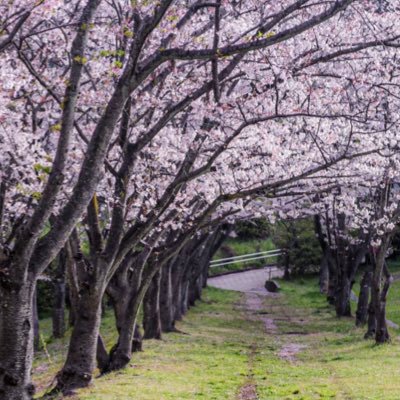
(271, 313)
(289, 351)
(248, 392)
(255, 303)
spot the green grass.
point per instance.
(336, 362)
(208, 361)
(225, 348)
(240, 247)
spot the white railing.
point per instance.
(246, 258)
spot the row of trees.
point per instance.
(132, 132)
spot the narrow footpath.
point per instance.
(298, 349)
(261, 305)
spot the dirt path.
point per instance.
(261, 305)
(251, 283)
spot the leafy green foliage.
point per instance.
(303, 248)
(253, 229)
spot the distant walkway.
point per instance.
(248, 281)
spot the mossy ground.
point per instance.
(225, 348)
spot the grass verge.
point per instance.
(226, 348)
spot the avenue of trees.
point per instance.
(134, 133)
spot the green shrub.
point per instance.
(303, 249)
(258, 228)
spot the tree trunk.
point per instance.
(204, 276)
(324, 275)
(121, 353)
(342, 300)
(327, 270)
(81, 359)
(129, 337)
(177, 300)
(166, 304)
(285, 262)
(332, 281)
(16, 340)
(58, 315)
(184, 296)
(194, 292)
(102, 355)
(126, 290)
(363, 298)
(198, 261)
(71, 311)
(137, 342)
(151, 309)
(176, 282)
(36, 328)
(382, 333)
(371, 330)
(378, 295)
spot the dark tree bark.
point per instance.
(381, 281)
(81, 358)
(342, 298)
(86, 287)
(102, 355)
(184, 306)
(166, 299)
(349, 259)
(137, 342)
(286, 270)
(371, 329)
(189, 294)
(179, 280)
(126, 296)
(382, 333)
(324, 275)
(199, 262)
(151, 310)
(195, 290)
(363, 299)
(328, 270)
(129, 338)
(58, 314)
(16, 339)
(36, 328)
(176, 282)
(71, 315)
(332, 281)
(127, 290)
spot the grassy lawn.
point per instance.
(208, 362)
(335, 361)
(225, 348)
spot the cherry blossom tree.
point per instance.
(91, 89)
